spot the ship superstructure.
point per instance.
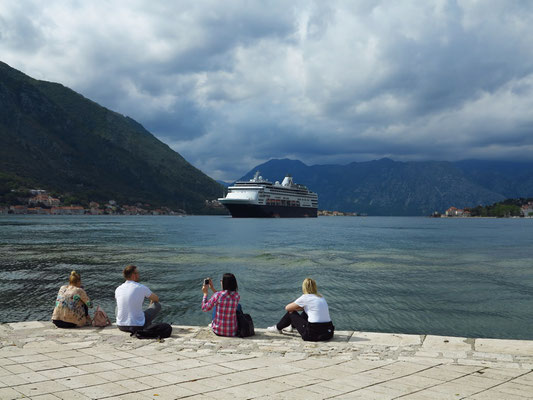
(261, 198)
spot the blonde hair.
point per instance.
(74, 278)
(309, 287)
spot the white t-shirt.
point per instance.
(315, 307)
(130, 297)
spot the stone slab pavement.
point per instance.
(39, 361)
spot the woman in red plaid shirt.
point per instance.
(226, 302)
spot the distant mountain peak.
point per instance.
(286, 161)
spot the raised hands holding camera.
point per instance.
(224, 303)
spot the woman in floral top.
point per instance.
(72, 304)
(226, 302)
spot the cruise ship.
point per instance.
(260, 198)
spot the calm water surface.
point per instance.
(462, 277)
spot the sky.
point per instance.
(232, 84)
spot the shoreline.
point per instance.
(38, 359)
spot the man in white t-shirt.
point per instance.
(130, 297)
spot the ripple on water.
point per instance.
(413, 275)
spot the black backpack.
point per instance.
(245, 324)
(154, 331)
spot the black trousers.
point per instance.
(310, 331)
(63, 324)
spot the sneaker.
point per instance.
(289, 329)
(273, 328)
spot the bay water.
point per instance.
(459, 277)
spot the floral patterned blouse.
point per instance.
(69, 305)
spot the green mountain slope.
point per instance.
(386, 187)
(54, 138)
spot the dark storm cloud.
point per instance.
(232, 84)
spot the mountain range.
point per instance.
(54, 138)
(387, 187)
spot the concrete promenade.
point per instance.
(39, 361)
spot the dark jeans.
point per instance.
(310, 331)
(67, 325)
(149, 314)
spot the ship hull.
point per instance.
(260, 211)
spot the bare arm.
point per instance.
(291, 307)
(154, 298)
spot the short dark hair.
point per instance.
(129, 271)
(229, 282)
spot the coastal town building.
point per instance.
(527, 209)
(213, 204)
(512, 208)
(326, 213)
(44, 199)
(68, 210)
(39, 202)
(454, 212)
(39, 211)
(18, 209)
(133, 210)
(94, 208)
(450, 211)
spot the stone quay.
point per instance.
(39, 361)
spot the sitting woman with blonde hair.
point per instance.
(314, 323)
(72, 304)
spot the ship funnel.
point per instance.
(287, 181)
(256, 177)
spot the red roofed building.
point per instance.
(19, 209)
(454, 212)
(527, 209)
(44, 199)
(70, 210)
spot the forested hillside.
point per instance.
(56, 139)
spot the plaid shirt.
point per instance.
(225, 321)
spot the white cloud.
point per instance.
(232, 84)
